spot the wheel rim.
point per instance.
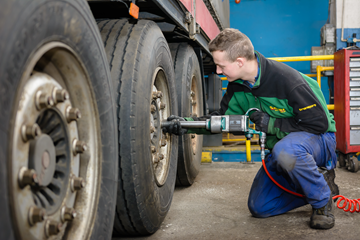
(160, 142)
(195, 110)
(51, 147)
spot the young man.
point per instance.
(300, 129)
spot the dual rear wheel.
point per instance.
(145, 87)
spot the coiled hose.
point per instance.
(348, 205)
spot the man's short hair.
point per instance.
(234, 43)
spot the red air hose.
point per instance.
(352, 205)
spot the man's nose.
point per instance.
(218, 70)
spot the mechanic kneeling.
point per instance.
(300, 129)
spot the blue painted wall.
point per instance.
(281, 28)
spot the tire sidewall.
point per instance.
(70, 22)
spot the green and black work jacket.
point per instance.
(293, 100)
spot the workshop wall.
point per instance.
(350, 21)
(282, 28)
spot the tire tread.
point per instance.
(116, 55)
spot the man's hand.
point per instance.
(261, 121)
(175, 126)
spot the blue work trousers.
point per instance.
(294, 163)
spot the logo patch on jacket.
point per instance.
(308, 107)
(282, 110)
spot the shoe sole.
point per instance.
(322, 225)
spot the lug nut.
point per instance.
(27, 177)
(72, 114)
(156, 95)
(152, 129)
(60, 95)
(163, 142)
(155, 159)
(67, 214)
(153, 149)
(162, 105)
(159, 94)
(192, 93)
(52, 227)
(29, 132)
(192, 135)
(36, 215)
(77, 183)
(43, 100)
(161, 156)
(79, 147)
(152, 109)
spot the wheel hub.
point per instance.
(55, 163)
(49, 156)
(43, 153)
(42, 159)
(160, 142)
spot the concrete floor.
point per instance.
(215, 207)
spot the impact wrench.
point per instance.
(241, 123)
(227, 123)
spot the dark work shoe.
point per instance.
(323, 218)
(329, 176)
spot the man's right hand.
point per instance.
(175, 127)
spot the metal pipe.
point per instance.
(342, 22)
(303, 58)
(342, 25)
(318, 75)
(319, 69)
(309, 75)
(330, 106)
(187, 124)
(248, 150)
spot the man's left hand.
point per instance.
(261, 121)
(175, 126)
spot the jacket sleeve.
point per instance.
(309, 114)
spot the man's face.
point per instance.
(225, 67)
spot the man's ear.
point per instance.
(240, 61)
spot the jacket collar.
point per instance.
(261, 66)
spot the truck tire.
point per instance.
(190, 103)
(58, 172)
(141, 68)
